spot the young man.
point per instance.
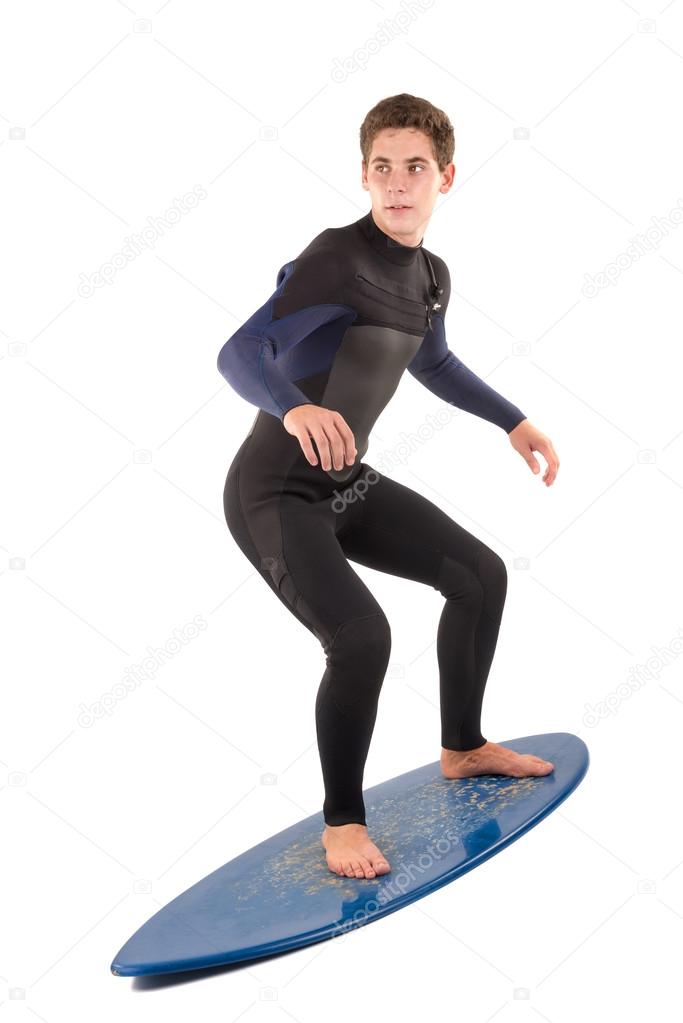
(320, 360)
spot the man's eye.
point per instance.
(413, 166)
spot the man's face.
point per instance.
(402, 171)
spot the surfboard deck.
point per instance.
(281, 894)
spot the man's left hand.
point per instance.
(526, 439)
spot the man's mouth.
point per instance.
(398, 206)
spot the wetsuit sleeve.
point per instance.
(307, 296)
(443, 373)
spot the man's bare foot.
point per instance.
(491, 759)
(351, 853)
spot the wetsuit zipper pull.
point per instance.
(433, 308)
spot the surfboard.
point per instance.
(281, 894)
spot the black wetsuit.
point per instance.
(348, 316)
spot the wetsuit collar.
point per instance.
(385, 245)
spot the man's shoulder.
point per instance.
(439, 264)
(325, 258)
(330, 244)
(317, 275)
(442, 274)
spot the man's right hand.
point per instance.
(329, 430)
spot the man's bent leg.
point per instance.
(400, 532)
(306, 568)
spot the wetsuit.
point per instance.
(347, 317)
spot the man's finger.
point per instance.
(552, 460)
(557, 460)
(348, 440)
(304, 439)
(337, 445)
(322, 443)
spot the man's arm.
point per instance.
(297, 308)
(443, 373)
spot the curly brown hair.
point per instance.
(406, 111)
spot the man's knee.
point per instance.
(458, 582)
(473, 586)
(364, 641)
(359, 656)
(493, 572)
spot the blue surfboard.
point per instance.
(281, 894)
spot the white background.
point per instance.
(117, 433)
